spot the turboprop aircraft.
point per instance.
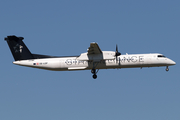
(94, 59)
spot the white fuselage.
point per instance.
(73, 63)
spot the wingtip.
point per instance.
(93, 43)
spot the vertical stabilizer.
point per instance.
(18, 48)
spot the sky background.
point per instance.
(67, 27)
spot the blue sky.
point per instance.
(68, 27)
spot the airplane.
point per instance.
(94, 59)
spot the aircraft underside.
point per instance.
(63, 65)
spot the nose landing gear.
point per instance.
(167, 69)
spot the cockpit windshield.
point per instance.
(162, 56)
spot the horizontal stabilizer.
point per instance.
(13, 37)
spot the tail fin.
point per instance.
(18, 48)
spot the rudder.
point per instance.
(18, 49)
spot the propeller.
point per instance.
(117, 53)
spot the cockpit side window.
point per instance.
(162, 56)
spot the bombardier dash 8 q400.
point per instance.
(94, 59)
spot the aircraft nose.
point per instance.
(172, 62)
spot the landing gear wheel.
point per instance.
(94, 76)
(167, 69)
(94, 72)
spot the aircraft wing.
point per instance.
(94, 49)
(94, 53)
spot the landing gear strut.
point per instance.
(94, 72)
(167, 69)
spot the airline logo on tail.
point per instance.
(18, 48)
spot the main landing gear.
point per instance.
(167, 69)
(94, 72)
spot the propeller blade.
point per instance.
(116, 48)
(117, 53)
